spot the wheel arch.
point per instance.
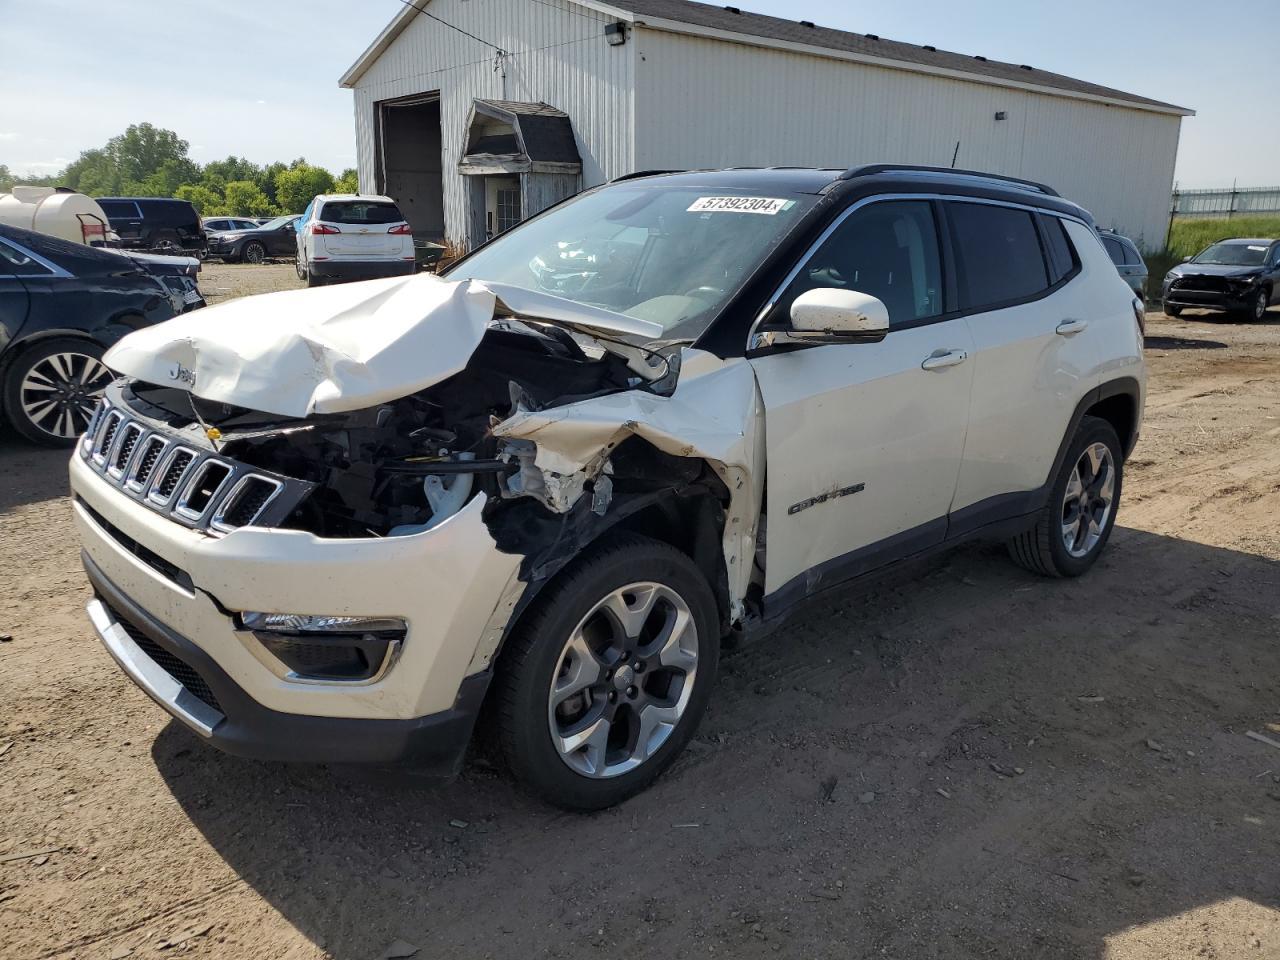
(1116, 401)
(687, 513)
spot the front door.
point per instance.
(864, 440)
(501, 204)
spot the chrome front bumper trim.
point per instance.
(147, 674)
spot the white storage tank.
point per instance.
(56, 212)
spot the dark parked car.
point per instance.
(1241, 275)
(155, 223)
(275, 238)
(1129, 263)
(221, 224)
(62, 305)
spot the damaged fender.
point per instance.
(715, 414)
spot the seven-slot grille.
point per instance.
(194, 487)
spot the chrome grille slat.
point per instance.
(193, 486)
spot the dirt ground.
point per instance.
(962, 761)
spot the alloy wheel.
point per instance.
(1087, 503)
(1260, 306)
(253, 253)
(59, 392)
(623, 681)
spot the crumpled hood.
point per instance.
(341, 348)
(1214, 270)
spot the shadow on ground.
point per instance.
(30, 474)
(967, 761)
(1181, 343)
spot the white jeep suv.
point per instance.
(333, 525)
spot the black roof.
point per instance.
(735, 20)
(868, 180)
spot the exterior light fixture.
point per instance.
(616, 33)
(1002, 115)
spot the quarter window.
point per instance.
(14, 262)
(1062, 255)
(998, 255)
(1115, 250)
(888, 250)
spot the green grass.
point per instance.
(1191, 235)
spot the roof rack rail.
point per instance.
(642, 173)
(874, 168)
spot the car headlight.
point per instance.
(1246, 281)
(313, 623)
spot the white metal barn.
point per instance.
(473, 114)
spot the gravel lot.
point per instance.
(964, 761)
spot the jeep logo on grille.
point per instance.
(181, 374)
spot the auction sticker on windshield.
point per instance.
(765, 205)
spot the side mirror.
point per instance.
(838, 316)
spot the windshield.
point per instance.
(672, 255)
(1234, 254)
(277, 223)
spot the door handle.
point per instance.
(1069, 328)
(949, 359)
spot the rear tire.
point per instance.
(604, 680)
(1073, 527)
(51, 389)
(1171, 311)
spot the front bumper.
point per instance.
(1230, 299)
(360, 269)
(190, 685)
(450, 584)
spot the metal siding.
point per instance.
(558, 56)
(710, 103)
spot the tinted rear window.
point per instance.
(999, 254)
(359, 212)
(1114, 250)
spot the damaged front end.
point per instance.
(562, 428)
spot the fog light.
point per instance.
(329, 648)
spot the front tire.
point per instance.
(1171, 311)
(1074, 526)
(253, 252)
(51, 389)
(606, 678)
(1258, 308)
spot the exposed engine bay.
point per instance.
(409, 464)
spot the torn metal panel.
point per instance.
(346, 347)
(714, 414)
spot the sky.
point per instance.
(259, 78)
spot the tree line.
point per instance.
(149, 161)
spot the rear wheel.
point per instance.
(51, 390)
(605, 681)
(253, 252)
(1074, 526)
(1171, 311)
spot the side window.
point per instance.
(119, 209)
(1115, 250)
(1062, 254)
(1131, 255)
(888, 250)
(998, 254)
(13, 262)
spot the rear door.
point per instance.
(1030, 299)
(125, 218)
(360, 229)
(864, 440)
